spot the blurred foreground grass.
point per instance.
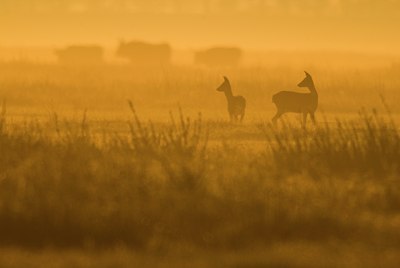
(278, 255)
(325, 196)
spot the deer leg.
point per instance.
(241, 117)
(312, 115)
(276, 117)
(304, 119)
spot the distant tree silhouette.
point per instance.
(142, 53)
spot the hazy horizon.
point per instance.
(333, 25)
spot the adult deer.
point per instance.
(304, 103)
(236, 104)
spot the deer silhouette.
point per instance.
(236, 104)
(293, 102)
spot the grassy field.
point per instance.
(88, 181)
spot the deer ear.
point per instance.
(225, 78)
(307, 74)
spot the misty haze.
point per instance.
(204, 133)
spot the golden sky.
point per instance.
(355, 25)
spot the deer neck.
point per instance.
(228, 94)
(312, 89)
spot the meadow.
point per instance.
(115, 166)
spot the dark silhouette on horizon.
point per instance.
(142, 53)
(219, 57)
(294, 102)
(80, 54)
(236, 104)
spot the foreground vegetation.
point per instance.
(163, 187)
(97, 190)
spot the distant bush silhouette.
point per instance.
(142, 53)
(77, 54)
(219, 57)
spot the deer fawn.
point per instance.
(305, 103)
(236, 104)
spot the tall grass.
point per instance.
(369, 144)
(162, 186)
(179, 148)
(31, 86)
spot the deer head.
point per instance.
(307, 82)
(225, 85)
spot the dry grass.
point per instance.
(278, 255)
(36, 89)
(192, 191)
